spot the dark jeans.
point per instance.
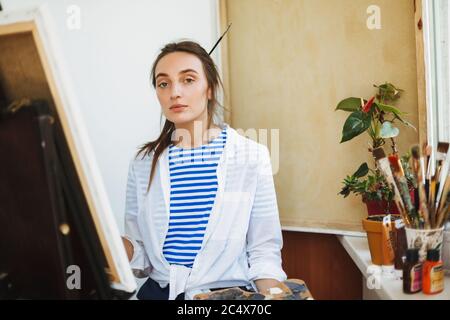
(151, 290)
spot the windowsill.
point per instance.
(388, 289)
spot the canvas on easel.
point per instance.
(55, 215)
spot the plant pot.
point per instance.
(383, 207)
(377, 207)
(373, 226)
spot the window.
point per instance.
(437, 40)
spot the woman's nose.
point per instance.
(176, 91)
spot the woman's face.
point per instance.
(182, 88)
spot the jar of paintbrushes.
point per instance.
(426, 213)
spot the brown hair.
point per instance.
(214, 83)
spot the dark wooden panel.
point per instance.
(322, 262)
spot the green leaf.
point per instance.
(389, 109)
(405, 122)
(388, 130)
(345, 191)
(388, 92)
(362, 171)
(349, 104)
(356, 123)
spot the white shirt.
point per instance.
(243, 238)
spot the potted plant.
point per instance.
(375, 192)
(377, 117)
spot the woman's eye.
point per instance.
(189, 80)
(162, 85)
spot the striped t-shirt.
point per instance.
(193, 188)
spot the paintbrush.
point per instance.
(442, 169)
(442, 206)
(431, 179)
(445, 212)
(385, 169)
(427, 151)
(419, 171)
(431, 197)
(402, 185)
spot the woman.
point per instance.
(201, 210)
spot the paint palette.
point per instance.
(291, 289)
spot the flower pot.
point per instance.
(376, 207)
(424, 239)
(382, 207)
(373, 226)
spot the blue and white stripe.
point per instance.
(193, 188)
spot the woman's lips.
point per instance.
(177, 108)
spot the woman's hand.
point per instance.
(128, 247)
(264, 285)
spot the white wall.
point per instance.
(109, 60)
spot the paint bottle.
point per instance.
(400, 244)
(433, 273)
(412, 272)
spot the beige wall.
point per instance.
(290, 62)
